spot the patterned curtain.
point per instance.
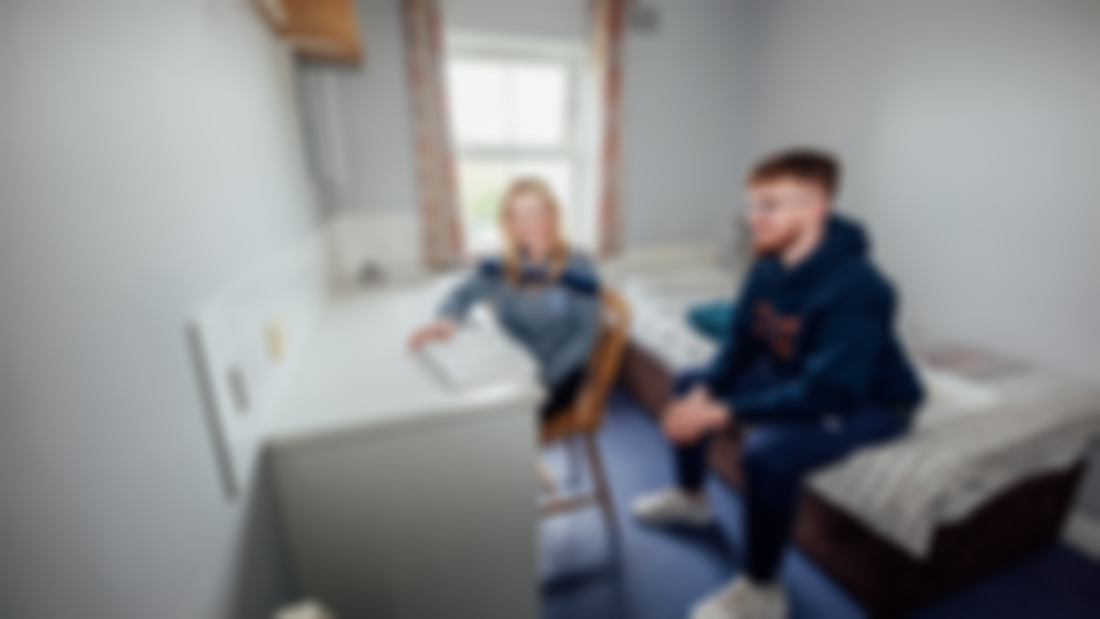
(608, 34)
(440, 218)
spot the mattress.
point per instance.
(660, 302)
(990, 421)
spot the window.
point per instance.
(514, 108)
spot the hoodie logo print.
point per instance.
(779, 332)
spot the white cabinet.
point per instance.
(436, 521)
(400, 499)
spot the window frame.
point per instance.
(503, 49)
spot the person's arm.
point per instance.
(837, 372)
(475, 288)
(456, 306)
(737, 351)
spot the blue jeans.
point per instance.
(775, 461)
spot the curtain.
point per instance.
(608, 34)
(440, 216)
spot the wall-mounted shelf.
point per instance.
(322, 29)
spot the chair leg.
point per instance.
(602, 491)
(574, 456)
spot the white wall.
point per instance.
(684, 122)
(972, 133)
(148, 154)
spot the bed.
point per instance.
(981, 481)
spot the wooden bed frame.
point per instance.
(884, 579)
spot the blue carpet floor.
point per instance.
(661, 573)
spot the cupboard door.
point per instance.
(326, 29)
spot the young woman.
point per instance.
(546, 296)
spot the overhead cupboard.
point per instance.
(320, 29)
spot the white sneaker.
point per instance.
(742, 599)
(672, 507)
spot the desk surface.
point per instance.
(358, 374)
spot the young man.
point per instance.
(811, 369)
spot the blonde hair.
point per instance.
(513, 253)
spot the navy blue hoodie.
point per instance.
(825, 329)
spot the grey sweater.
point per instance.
(557, 322)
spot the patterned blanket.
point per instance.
(1030, 422)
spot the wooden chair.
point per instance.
(584, 419)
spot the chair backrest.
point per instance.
(605, 361)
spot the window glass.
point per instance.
(511, 116)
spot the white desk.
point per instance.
(400, 498)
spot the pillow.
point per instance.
(712, 320)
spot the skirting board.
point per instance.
(1083, 533)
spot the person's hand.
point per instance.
(695, 397)
(691, 418)
(698, 396)
(438, 330)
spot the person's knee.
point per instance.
(762, 462)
